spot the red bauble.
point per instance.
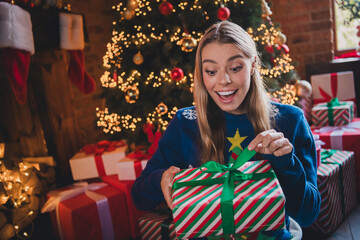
(269, 48)
(165, 8)
(177, 74)
(115, 76)
(223, 13)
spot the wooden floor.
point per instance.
(348, 230)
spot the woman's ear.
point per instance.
(253, 65)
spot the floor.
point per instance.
(349, 230)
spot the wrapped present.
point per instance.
(318, 144)
(131, 166)
(333, 85)
(343, 138)
(215, 199)
(337, 186)
(88, 211)
(134, 214)
(333, 113)
(155, 226)
(97, 160)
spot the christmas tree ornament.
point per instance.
(223, 13)
(161, 109)
(268, 48)
(177, 74)
(129, 14)
(303, 88)
(187, 43)
(132, 4)
(280, 39)
(131, 94)
(286, 48)
(115, 76)
(138, 59)
(266, 11)
(165, 8)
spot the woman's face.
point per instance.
(226, 74)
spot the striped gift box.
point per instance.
(322, 115)
(153, 225)
(258, 204)
(337, 186)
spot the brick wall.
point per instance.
(308, 27)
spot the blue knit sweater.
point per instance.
(296, 171)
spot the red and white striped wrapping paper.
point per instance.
(343, 138)
(150, 227)
(342, 114)
(336, 201)
(259, 205)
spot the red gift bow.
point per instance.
(138, 155)
(98, 149)
(334, 87)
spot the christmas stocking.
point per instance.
(17, 44)
(72, 39)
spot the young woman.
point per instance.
(233, 110)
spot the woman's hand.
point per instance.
(166, 181)
(271, 142)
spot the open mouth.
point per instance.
(226, 95)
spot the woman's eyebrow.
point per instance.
(229, 60)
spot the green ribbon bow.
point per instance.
(331, 104)
(325, 154)
(227, 195)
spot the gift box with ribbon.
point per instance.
(88, 211)
(333, 85)
(155, 226)
(134, 214)
(318, 144)
(239, 197)
(332, 113)
(131, 166)
(97, 160)
(337, 186)
(343, 138)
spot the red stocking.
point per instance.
(77, 73)
(17, 64)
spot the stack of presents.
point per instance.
(205, 197)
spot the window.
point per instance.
(345, 31)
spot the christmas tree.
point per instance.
(150, 59)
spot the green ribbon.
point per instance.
(228, 181)
(331, 104)
(260, 236)
(325, 154)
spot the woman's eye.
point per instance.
(235, 69)
(211, 73)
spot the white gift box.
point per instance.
(130, 168)
(85, 166)
(331, 85)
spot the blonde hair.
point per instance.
(256, 104)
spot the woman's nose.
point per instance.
(225, 79)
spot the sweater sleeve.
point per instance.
(146, 191)
(296, 172)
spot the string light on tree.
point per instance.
(286, 95)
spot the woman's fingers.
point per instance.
(166, 182)
(271, 142)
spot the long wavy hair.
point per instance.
(256, 104)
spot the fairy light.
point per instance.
(286, 95)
